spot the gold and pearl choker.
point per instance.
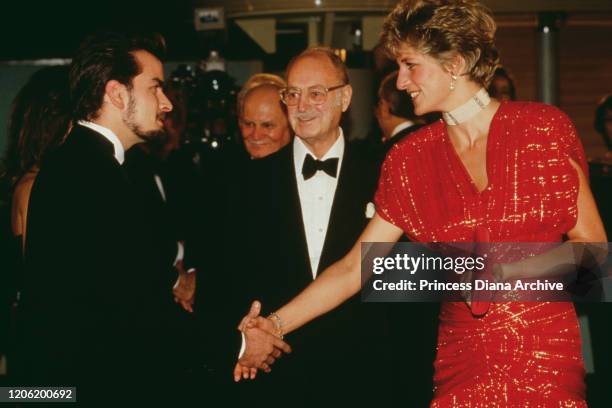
(468, 110)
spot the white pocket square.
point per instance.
(370, 210)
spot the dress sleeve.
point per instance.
(565, 145)
(387, 198)
(570, 146)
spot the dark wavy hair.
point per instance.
(103, 57)
(39, 120)
(501, 72)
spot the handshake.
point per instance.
(263, 343)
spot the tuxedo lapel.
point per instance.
(346, 214)
(295, 221)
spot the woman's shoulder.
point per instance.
(535, 122)
(21, 198)
(23, 188)
(534, 111)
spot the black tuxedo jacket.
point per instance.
(265, 257)
(89, 310)
(164, 216)
(141, 169)
(277, 221)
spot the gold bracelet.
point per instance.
(278, 324)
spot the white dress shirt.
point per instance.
(316, 199)
(400, 127)
(316, 196)
(110, 136)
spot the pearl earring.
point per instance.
(453, 80)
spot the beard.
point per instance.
(157, 135)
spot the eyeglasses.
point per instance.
(317, 94)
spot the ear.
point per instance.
(457, 65)
(116, 94)
(347, 94)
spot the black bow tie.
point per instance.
(311, 166)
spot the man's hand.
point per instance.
(262, 346)
(184, 288)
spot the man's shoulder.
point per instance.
(282, 157)
(275, 168)
(83, 144)
(82, 158)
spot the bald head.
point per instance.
(325, 56)
(319, 79)
(263, 124)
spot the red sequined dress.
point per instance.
(517, 354)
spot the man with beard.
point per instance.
(90, 312)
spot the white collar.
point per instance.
(400, 127)
(110, 136)
(468, 110)
(300, 150)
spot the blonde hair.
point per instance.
(257, 81)
(442, 29)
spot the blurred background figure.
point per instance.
(600, 166)
(603, 122)
(262, 116)
(395, 112)
(394, 116)
(175, 122)
(600, 172)
(502, 85)
(38, 123)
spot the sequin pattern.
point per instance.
(518, 354)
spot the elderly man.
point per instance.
(263, 117)
(311, 202)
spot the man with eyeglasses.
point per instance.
(312, 201)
